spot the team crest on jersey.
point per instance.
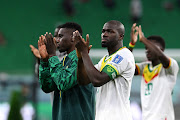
(117, 59)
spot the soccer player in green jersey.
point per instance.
(35, 51)
(71, 101)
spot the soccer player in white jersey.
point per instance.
(112, 75)
(159, 75)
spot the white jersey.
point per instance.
(112, 99)
(156, 89)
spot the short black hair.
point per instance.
(158, 39)
(59, 26)
(72, 25)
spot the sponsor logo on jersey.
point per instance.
(117, 59)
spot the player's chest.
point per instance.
(150, 73)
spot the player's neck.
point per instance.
(71, 49)
(113, 49)
(155, 62)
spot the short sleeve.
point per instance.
(140, 67)
(173, 67)
(116, 66)
(98, 65)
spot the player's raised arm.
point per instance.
(134, 35)
(92, 75)
(82, 76)
(155, 50)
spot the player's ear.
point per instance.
(121, 36)
(72, 39)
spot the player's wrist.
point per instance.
(131, 45)
(84, 52)
(143, 39)
(78, 54)
(44, 59)
(51, 55)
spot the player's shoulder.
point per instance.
(144, 63)
(122, 55)
(173, 63)
(172, 59)
(125, 53)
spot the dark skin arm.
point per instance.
(154, 49)
(96, 77)
(35, 52)
(134, 36)
(82, 77)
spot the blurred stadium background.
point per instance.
(22, 22)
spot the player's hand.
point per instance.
(141, 34)
(35, 51)
(87, 43)
(42, 49)
(134, 33)
(50, 44)
(80, 43)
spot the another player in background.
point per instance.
(35, 51)
(159, 77)
(71, 101)
(112, 75)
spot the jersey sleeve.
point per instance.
(116, 66)
(64, 77)
(173, 67)
(98, 65)
(46, 82)
(140, 67)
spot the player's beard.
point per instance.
(104, 44)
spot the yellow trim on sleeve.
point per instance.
(103, 64)
(169, 63)
(138, 69)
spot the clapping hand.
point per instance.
(42, 49)
(35, 51)
(81, 44)
(141, 34)
(50, 43)
(134, 33)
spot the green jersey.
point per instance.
(71, 101)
